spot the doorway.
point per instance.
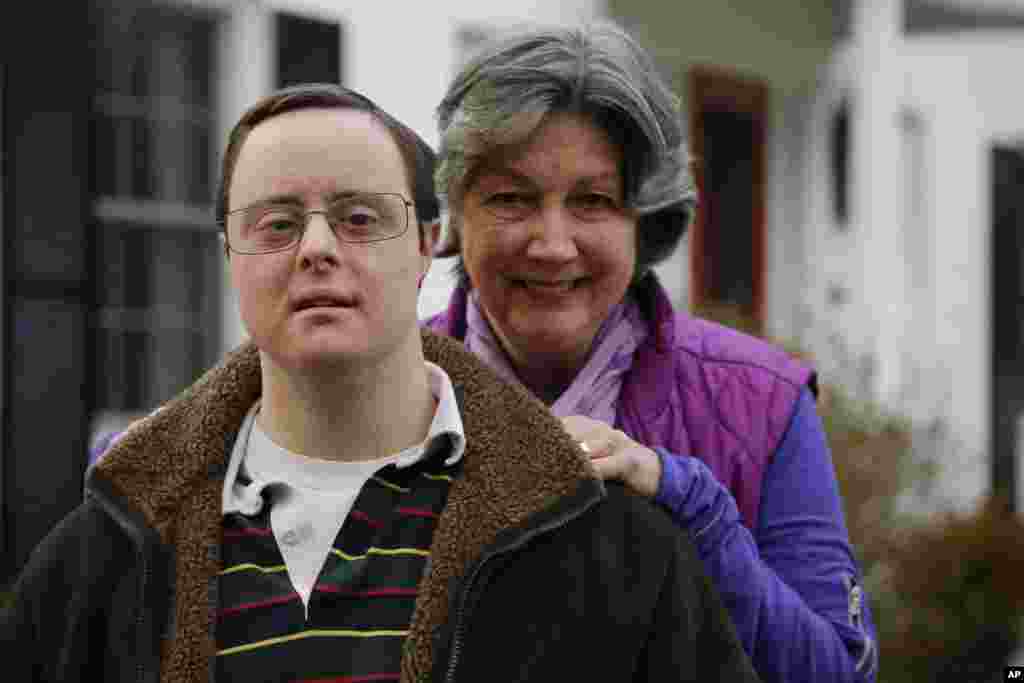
(1007, 315)
(728, 130)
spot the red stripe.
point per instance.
(352, 679)
(373, 593)
(231, 611)
(408, 512)
(418, 512)
(363, 517)
(247, 531)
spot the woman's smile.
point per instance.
(548, 287)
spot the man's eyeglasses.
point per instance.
(359, 217)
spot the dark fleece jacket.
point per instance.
(525, 489)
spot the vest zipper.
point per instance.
(461, 615)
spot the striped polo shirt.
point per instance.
(321, 560)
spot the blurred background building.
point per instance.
(861, 178)
(860, 167)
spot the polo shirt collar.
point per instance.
(445, 432)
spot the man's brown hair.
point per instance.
(418, 156)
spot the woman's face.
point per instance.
(546, 241)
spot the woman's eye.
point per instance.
(509, 206)
(596, 201)
(507, 199)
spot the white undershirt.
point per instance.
(311, 498)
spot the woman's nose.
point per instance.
(552, 235)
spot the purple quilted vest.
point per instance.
(698, 388)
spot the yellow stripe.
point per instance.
(339, 553)
(388, 484)
(322, 633)
(243, 567)
(380, 551)
(438, 477)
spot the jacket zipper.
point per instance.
(140, 620)
(461, 615)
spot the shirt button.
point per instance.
(299, 534)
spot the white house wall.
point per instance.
(787, 284)
(966, 86)
(246, 72)
(834, 277)
(960, 89)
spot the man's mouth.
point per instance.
(324, 301)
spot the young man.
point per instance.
(344, 497)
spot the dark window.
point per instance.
(839, 153)
(157, 315)
(157, 311)
(728, 182)
(308, 51)
(928, 16)
(1006, 279)
(842, 18)
(3, 322)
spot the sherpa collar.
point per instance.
(170, 467)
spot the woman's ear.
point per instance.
(449, 246)
(430, 233)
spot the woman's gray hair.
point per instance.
(502, 95)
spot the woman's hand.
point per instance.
(615, 455)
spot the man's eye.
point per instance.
(361, 218)
(276, 223)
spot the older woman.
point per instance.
(564, 172)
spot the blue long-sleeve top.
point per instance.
(792, 586)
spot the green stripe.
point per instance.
(380, 551)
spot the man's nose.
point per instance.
(318, 239)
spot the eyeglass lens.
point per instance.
(354, 218)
